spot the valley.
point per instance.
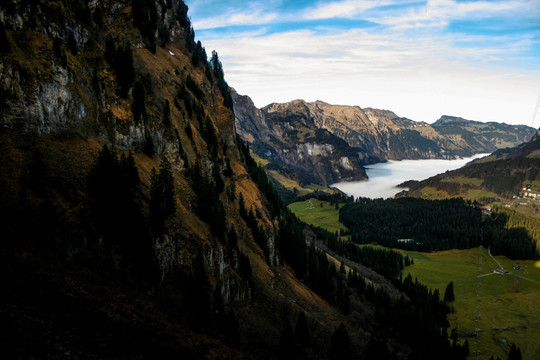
(321, 143)
(492, 309)
(150, 211)
(500, 308)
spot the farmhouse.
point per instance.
(486, 210)
(405, 241)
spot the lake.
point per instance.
(384, 177)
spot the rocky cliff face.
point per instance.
(375, 135)
(76, 76)
(291, 139)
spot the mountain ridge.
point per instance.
(314, 154)
(374, 135)
(136, 224)
(500, 178)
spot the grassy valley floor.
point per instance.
(500, 309)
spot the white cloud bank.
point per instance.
(410, 65)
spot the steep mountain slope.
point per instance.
(292, 140)
(96, 262)
(375, 135)
(498, 177)
(136, 225)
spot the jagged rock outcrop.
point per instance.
(375, 135)
(78, 76)
(291, 139)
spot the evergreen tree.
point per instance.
(515, 353)
(232, 329)
(167, 183)
(148, 145)
(162, 196)
(220, 76)
(340, 348)
(198, 56)
(113, 188)
(287, 345)
(121, 61)
(449, 292)
(198, 298)
(138, 106)
(244, 266)
(167, 114)
(208, 205)
(144, 14)
(302, 329)
(4, 42)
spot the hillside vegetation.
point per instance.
(500, 307)
(508, 177)
(136, 224)
(434, 225)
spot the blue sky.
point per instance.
(421, 59)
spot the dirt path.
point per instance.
(309, 207)
(498, 263)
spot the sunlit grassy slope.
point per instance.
(311, 212)
(503, 307)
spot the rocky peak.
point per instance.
(287, 134)
(446, 119)
(374, 135)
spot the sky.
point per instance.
(479, 60)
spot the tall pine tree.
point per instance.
(162, 196)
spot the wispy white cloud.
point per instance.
(251, 17)
(412, 62)
(439, 13)
(420, 78)
(343, 9)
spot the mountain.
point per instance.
(291, 139)
(136, 225)
(500, 177)
(374, 135)
(482, 137)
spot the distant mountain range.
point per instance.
(137, 225)
(294, 142)
(499, 177)
(322, 143)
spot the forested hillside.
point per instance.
(434, 225)
(136, 225)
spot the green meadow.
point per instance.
(501, 309)
(318, 213)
